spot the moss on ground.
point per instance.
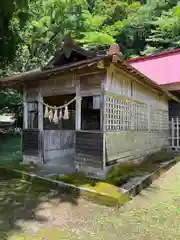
(105, 193)
(101, 192)
(76, 179)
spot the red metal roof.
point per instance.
(162, 68)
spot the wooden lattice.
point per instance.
(122, 114)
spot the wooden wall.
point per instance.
(127, 145)
(89, 85)
(59, 144)
(138, 119)
(32, 146)
(89, 149)
(126, 86)
(31, 142)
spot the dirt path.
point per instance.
(154, 214)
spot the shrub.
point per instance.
(120, 173)
(160, 156)
(77, 179)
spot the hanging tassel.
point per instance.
(55, 119)
(60, 114)
(50, 115)
(46, 114)
(66, 113)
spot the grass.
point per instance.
(29, 211)
(103, 192)
(10, 149)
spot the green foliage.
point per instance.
(76, 179)
(10, 11)
(11, 102)
(160, 156)
(31, 31)
(100, 192)
(120, 173)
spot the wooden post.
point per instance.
(40, 110)
(172, 131)
(40, 125)
(25, 110)
(78, 104)
(177, 131)
(149, 117)
(102, 104)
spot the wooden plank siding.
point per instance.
(31, 142)
(58, 139)
(89, 148)
(59, 146)
(136, 118)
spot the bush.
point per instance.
(120, 174)
(160, 156)
(76, 179)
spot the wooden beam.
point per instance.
(78, 104)
(40, 110)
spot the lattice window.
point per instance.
(153, 119)
(143, 116)
(121, 114)
(164, 120)
(135, 116)
(117, 114)
(158, 120)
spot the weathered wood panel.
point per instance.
(31, 94)
(89, 143)
(88, 161)
(58, 86)
(91, 85)
(134, 144)
(58, 139)
(129, 87)
(31, 142)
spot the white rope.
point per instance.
(60, 107)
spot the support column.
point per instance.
(102, 104)
(78, 104)
(25, 110)
(40, 110)
(40, 125)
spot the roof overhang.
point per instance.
(76, 68)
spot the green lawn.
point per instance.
(30, 211)
(10, 149)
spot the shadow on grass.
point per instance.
(20, 201)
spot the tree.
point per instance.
(166, 32)
(33, 30)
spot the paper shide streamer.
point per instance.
(55, 114)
